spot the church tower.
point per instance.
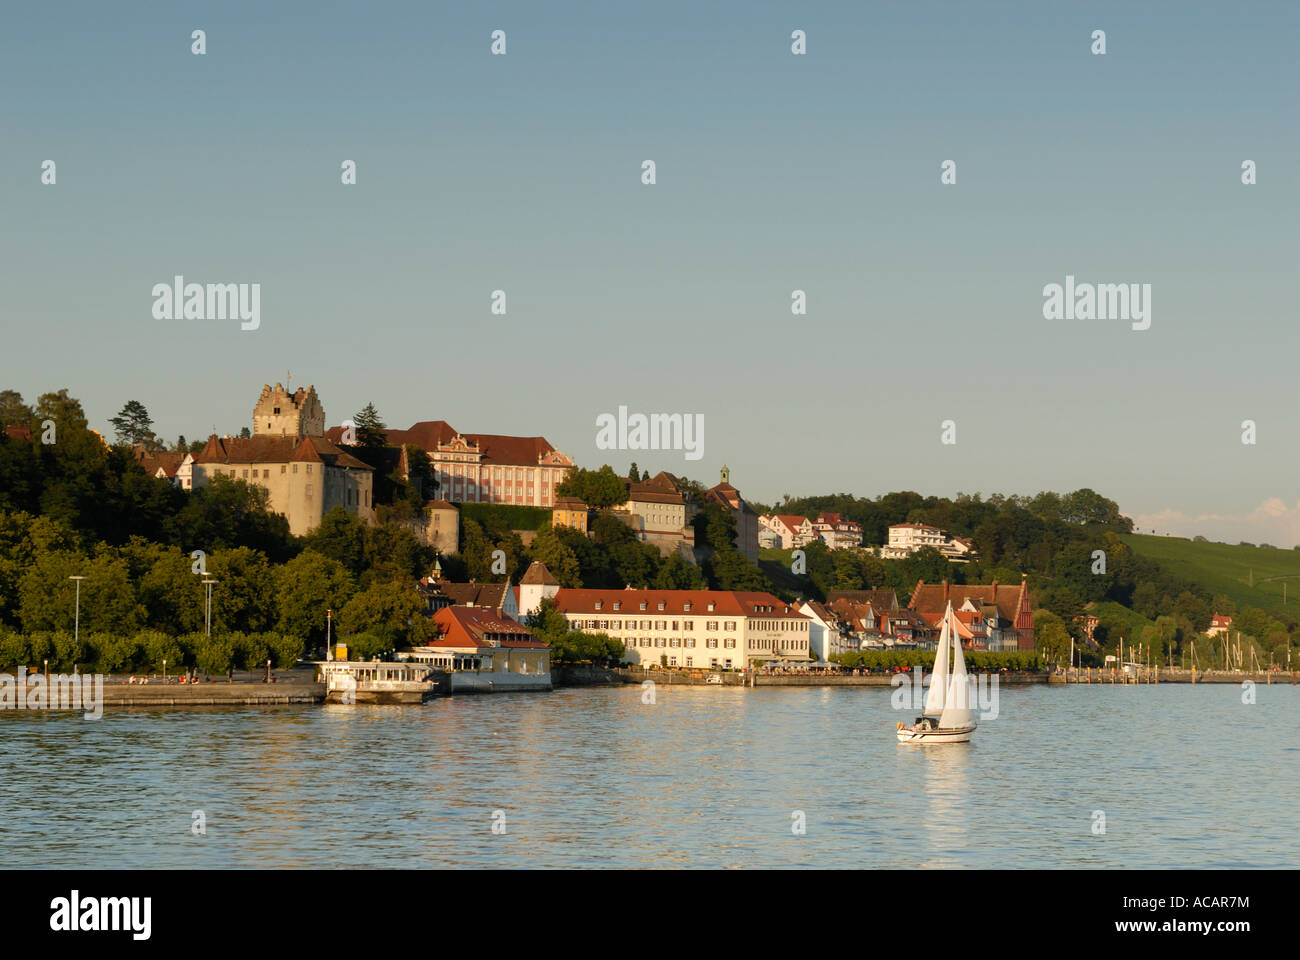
(280, 413)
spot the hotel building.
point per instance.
(691, 628)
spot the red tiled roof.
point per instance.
(267, 449)
(725, 602)
(473, 626)
(18, 433)
(1011, 600)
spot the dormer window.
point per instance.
(711, 607)
(643, 605)
(599, 604)
(617, 605)
(661, 604)
(686, 608)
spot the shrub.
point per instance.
(285, 649)
(14, 649)
(251, 651)
(366, 646)
(68, 651)
(214, 654)
(157, 647)
(113, 653)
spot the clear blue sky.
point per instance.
(775, 172)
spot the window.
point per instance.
(690, 642)
(295, 468)
(688, 624)
(599, 604)
(661, 604)
(284, 467)
(309, 468)
(643, 605)
(710, 625)
(266, 474)
(676, 642)
(729, 643)
(618, 605)
(686, 608)
(711, 643)
(245, 474)
(690, 661)
(309, 489)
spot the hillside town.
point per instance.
(522, 557)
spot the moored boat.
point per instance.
(374, 681)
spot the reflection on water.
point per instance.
(1187, 777)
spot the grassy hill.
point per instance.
(1229, 569)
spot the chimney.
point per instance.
(945, 591)
(994, 598)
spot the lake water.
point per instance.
(592, 777)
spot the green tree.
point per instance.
(305, 588)
(133, 425)
(596, 488)
(369, 427)
(394, 612)
(549, 550)
(244, 597)
(13, 411)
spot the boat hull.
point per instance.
(939, 735)
(362, 695)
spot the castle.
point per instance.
(280, 413)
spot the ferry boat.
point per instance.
(375, 681)
(946, 716)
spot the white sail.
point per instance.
(956, 707)
(938, 692)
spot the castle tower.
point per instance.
(280, 413)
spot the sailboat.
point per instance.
(946, 716)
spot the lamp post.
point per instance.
(76, 621)
(207, 616)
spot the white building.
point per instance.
(691, 628)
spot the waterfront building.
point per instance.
(828, 633)
(536, 585)
(691, 628)
(475, 638)
(1009, 623)
(1218, 624)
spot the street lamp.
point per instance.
(76, 622)
(207, 616)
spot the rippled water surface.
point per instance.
(592, 777)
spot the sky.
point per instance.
(774, 172)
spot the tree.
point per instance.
(1051, 639)
(549, 550)
(243, 598)
(370, 428)
(392, 611)
(341, 536)
(596, 488)
(305, 588)
(13, 412)
(133, 426)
